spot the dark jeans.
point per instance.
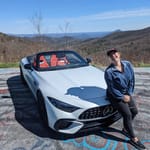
(128, 112)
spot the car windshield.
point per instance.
(59, 60)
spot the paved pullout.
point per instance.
(21, 127)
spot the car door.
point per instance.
(32, 79)
(31, 76)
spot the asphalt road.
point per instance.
(21, 127)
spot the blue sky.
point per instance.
(74, 15)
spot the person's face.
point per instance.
(115, 57)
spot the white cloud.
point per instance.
(113, 15)
(109, 15)
(109, 20)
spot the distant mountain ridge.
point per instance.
(80, 35)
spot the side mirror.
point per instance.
(28, 66)
(88, 60)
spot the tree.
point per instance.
(36, 21)
(65, 30)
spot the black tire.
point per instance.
(42, 108)
(21, 76)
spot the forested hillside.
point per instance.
(134, 46)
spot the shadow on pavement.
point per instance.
(26, 114)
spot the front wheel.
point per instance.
(42, 108)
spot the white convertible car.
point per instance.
(71, 94)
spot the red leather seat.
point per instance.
(62, 61)
(43, 62)
(53, 61)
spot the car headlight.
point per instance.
(63, 106)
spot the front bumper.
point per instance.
(71, 126)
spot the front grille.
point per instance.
(96, 112)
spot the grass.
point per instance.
(135, 65)
(143, 65)
(9, 65)
(16, 65)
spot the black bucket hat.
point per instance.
(111, 51)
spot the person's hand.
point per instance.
(126, 98)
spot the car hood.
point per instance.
(84, 84)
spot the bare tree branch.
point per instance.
(36, 21)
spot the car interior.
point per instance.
(54, 60)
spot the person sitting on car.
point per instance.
(119, 76)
